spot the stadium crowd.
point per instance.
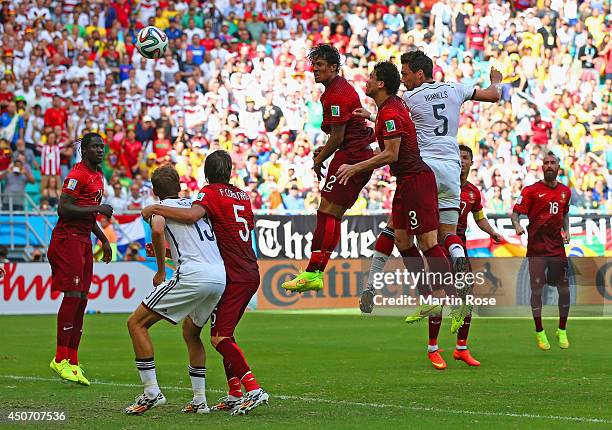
(235, 76)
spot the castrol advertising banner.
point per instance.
(115, 287)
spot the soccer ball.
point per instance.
(151, 42)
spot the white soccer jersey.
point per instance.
(194, 247)
(434, 108)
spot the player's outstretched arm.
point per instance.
(67, 208)
(107, 251)
(364, 113)
(334, 141)
(158, 224)
(493, 93)
(483, 224)
(184, 215)
(389, 155)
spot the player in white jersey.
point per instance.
(434, 109)
(190, 295)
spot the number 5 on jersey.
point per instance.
(244, 235)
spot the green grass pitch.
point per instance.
(326, 371)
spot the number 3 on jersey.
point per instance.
(436, 112)
(244, 235)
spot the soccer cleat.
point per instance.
(78, 371)
(542, 340)
(460, 265)
(227, 404)
(424, 311)
(305, 281)
(437, 360)
(465, 356)
(143, 404)
(64, 370)
(193, 408)
(562, 338)
(457, 319)
(366, 302)
(251, 400)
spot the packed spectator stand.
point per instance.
(236, 77)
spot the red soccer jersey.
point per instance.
(87, 187)
(545, 207)
(229, 211)
(471, 201)
(339, 100)
(393, 120)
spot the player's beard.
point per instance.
(550, 176)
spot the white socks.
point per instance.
(146, 369)
(198, 383)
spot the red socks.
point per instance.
(65, 325)
(462, 334)
(434, 328)
(237, 364)
(385, 242)
(438, 263)
(454, 245)
(413, 261)
(324, 241)
(77, 331)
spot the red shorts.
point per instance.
(547, 270)
(231, 307)
(71, 264)
(415, 204)
(344, 195)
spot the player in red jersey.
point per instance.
(70, 253)
(349, 141)
(229, 210)
(470, 203)
(546, 204)
(415, 204)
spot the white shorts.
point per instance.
(175, 299)
(448, 179)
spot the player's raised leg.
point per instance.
(138, 326)
(382, 251)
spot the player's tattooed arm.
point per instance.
(493, 93)
(107, 251)
(184, 215)
(388, 156)
(334, 141)
(518, 228)
(67, 208)
(565, 233)
(158, 224)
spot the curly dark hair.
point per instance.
(325, 52)
(387, 72)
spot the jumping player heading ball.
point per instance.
(349, 142)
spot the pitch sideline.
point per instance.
(347, 402)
